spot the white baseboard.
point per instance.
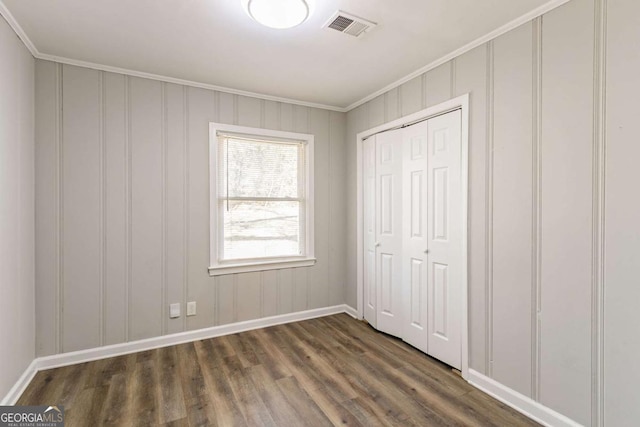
(351, 311)
(520, 402)
(20, 386)
(72, 358)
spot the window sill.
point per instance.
(222, 269)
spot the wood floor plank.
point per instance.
(302, 343)
(98, 399)
(304, 369)
(200, 412)
(81, 409)
(281, 411)
(490, 412)
(171, 397)
(193, 384)
(342, 360)
(365, 342)
(183, 422)
(76, 379)
(243, 349)
(45, 388)
(321, 372)
(224, 403)
(116, 404)
(267, 354)
(143, 389)
(335, 411)
(112, 366)
(362, 410)
(251, 405)
(304, 405)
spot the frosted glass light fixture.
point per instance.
(278, 14)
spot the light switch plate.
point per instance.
(174, 310)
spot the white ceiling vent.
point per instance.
(349, 24)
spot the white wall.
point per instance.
(123, 209)
(17, 317)
(539, 259)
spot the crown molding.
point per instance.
(18, 29)
(167, 79)
(552, 4)
(464, 49)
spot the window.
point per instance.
(261, 199)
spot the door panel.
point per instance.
(440, 203)
(415, 242)
(369, 196)
(416, 282)
(444, 213)
(386, 205)
(386, 283)
(440, 301)
(388, 171)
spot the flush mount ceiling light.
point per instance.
(278, 14)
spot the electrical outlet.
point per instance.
(191, 308)
(174, 310)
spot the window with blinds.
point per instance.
(261, 198)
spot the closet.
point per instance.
(413, 248)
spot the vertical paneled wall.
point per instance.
(565, 205)
(511, 208)
(621, 245)
(534, 226)
(17, 253)
(123, 209)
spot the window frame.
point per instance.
(219, 267)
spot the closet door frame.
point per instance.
(459, 103)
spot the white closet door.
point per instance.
(445, 238)
(415, 241)
(369, 202)
(388, 215)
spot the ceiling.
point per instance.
(214, 41)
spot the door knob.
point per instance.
(377, 244)
(426, 251)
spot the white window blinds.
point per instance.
(261, 198)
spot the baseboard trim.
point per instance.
(20, 386)
(64, 359)
(72, 358)
(351, 311)
(519, 402)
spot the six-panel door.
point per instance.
(444, 213)
(369, 191)
(388, 213)
(413, 240)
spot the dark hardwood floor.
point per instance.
(328, 371)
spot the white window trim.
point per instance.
(217, 267)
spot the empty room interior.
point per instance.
(319, 212)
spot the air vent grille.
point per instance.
(356, 28)
(349, 24)
(341, 23)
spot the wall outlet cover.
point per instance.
(174, 310)
(191, 308)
